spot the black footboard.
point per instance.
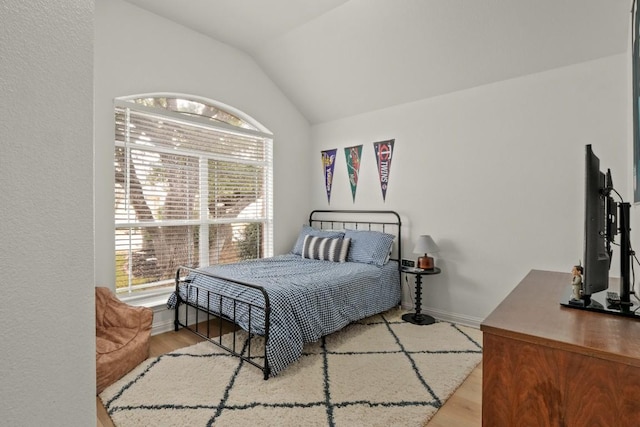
(224, 307)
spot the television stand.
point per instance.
(547, 365)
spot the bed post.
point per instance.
(176, 321)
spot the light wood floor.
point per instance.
(463, 409)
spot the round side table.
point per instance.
(418, 318)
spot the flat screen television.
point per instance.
(604, 219)
(597, 232)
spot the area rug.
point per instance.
(380, 371)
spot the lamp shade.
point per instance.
(425, 245)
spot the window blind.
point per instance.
(187, 192)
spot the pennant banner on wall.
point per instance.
(353, 155)
(384, 154)
(328, 164)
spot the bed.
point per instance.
(343, 267)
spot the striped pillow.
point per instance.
(325, 248)
(310, 231)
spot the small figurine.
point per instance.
(576, 282)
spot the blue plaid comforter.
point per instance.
(309, 298)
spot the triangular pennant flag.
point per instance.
(353, 155)
(328, 164)
(384, 154)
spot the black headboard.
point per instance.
(385, 221)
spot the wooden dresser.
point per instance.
(549, 365)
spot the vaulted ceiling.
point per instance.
(338, 58)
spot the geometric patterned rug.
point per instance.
(380, 371)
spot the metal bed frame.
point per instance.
(318, 218)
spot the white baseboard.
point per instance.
(459, 319)
(163, 319)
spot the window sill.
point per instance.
(148, 299)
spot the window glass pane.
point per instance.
(147, 129)
(152, 254)
(235, 242)
(196, 108)
(235, 190)
(158, 186)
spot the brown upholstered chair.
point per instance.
(122, 337)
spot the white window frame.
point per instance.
(158, 295)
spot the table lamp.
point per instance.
(425, 245)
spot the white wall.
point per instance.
(494, 174)
(47, 360)
(139, 52)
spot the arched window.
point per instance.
(193, 186)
